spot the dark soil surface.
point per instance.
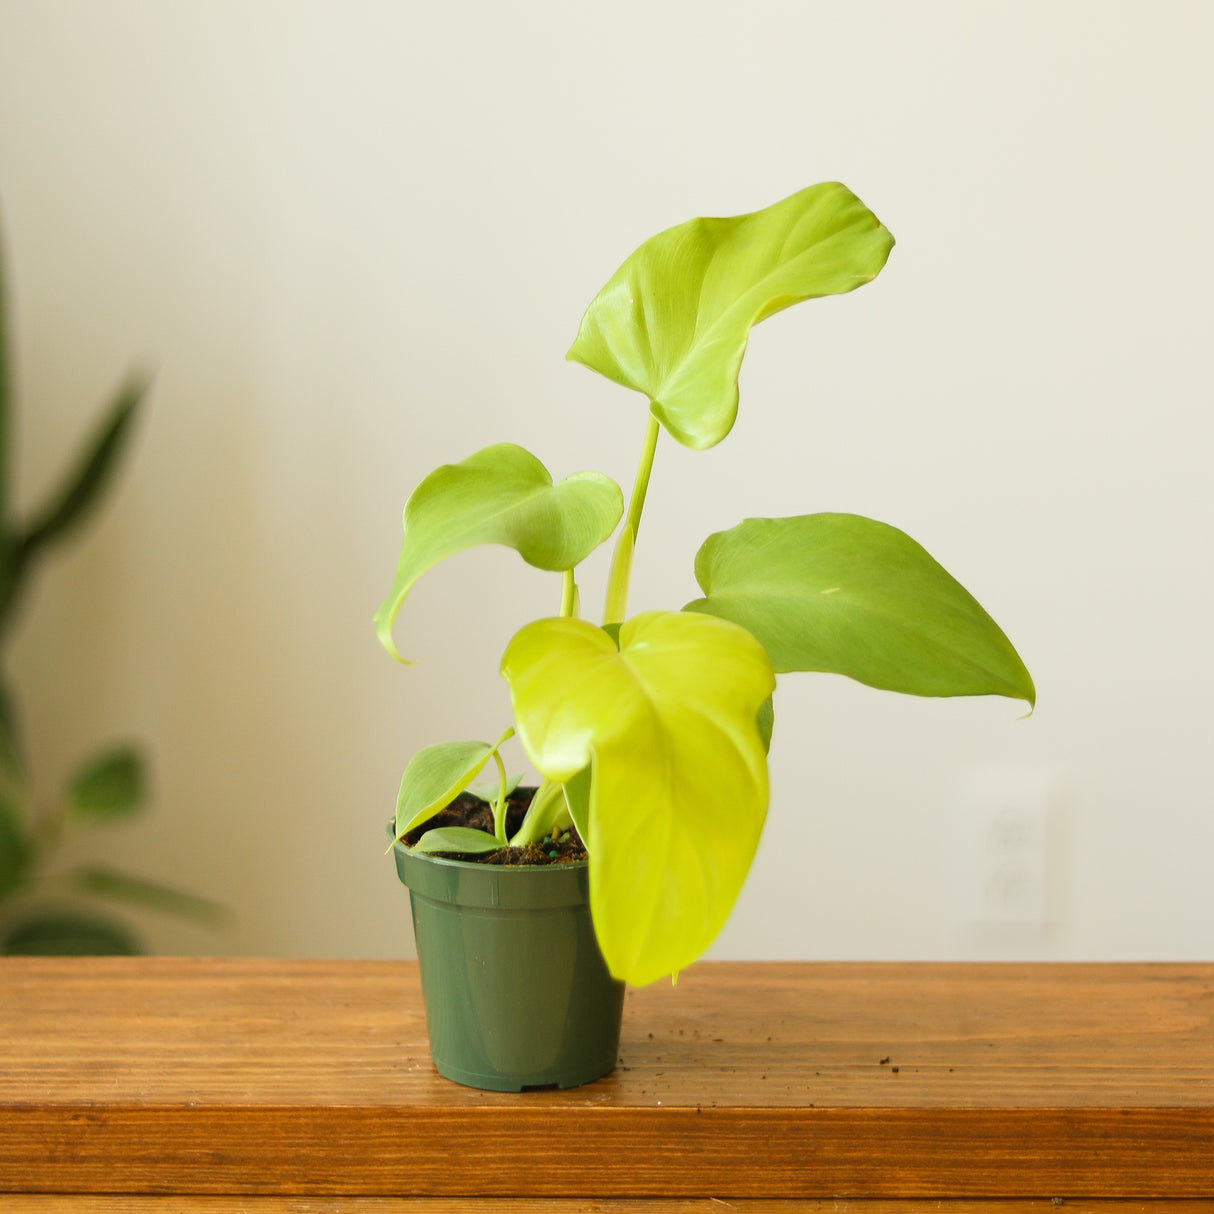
(467, 810)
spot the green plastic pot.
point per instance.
(517, 993)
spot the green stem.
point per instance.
(621, 561)
(641, 485)
(568, 594)
(499, 807)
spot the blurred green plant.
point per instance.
(46, 910)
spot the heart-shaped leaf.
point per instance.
(457, 840)
(845, 594)
(673, 322)
(435, 776)
(678, 790)
(501, 495)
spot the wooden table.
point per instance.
(167, 1083)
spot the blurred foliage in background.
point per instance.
(44, 909)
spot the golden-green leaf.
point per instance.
(668, 722)
(674, 320)
(501, 495)
(433, 779)
(849, 595)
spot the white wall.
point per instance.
(356, 239)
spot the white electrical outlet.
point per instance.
(1001, 848)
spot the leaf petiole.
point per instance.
(568, 595)
(621, 560)
(499, 806)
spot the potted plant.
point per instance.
(650, 732)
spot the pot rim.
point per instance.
(496, 886)
(447, 862)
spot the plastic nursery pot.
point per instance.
(517, 993)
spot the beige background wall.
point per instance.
(355, 241)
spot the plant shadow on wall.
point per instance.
(651, 732)
(47, 909)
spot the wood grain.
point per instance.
(59, 1203)
(745, 1081)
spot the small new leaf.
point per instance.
(435, 777)
(501, 495)
(457, 840)
(848, 595)
(674, 320)
(108, 786)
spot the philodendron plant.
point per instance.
(651, 731)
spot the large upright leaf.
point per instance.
(673, 322)
(678, 790)
(501, 495)
(841, 593)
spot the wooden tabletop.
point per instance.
(747, 1080)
